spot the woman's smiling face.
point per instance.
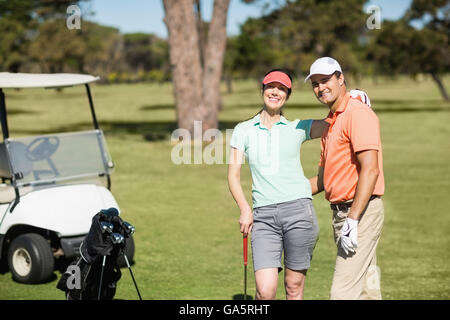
(275, 95)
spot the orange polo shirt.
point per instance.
(353, 127)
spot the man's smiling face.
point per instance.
(327, 87)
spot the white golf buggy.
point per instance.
(52, 186)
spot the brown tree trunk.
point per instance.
(196, 85)
(185, 61)
(214, 55)
(441, 86)
(200, 29)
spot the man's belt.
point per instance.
(344, 206)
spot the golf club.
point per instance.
(106, 227)
(117, 238)
(132, 276)
(101, 277)
(245, 266)
(108, 213)
(129, 228)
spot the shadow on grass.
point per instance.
(14, 112)
(240, 296)
(53, 277)
(149, 130)
(162, 130)
(410, 110)
(385, 106)
(157, 107)
(406, 101)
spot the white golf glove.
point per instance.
(349, 236)
(361, 96)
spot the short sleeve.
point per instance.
(364, 130)
(238, 138)
(305, 125)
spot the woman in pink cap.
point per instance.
(282, 217)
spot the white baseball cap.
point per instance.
(324, 65)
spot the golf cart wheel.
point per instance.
(129, 251)
(30, 258)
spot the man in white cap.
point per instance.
(351, 173)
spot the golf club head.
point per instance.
(129, 228)
(106, 227)
(117, 238)
(111, 212)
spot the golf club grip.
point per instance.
(245, 250)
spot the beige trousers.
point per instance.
(356, 276)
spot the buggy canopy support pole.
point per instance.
(91, 105)
(3, 120)
(96, 126)
(5, 132)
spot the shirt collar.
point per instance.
(257, 121)
(341, 108)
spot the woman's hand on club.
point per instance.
(246, 221)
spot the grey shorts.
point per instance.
(290, 226)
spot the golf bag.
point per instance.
(95, 274)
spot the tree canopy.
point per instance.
(399, 48)
(35, 39)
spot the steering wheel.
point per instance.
(42, 148)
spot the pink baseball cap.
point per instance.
(278, 76)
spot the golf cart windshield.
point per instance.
(54, 158)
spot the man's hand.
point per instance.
(361, 96)
(349, 236)
(246, 221)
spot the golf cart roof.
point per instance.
(43, 80)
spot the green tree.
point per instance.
(19, 20)
(54, 47)
(146, 52)
(434, 53)
(255, 53)
(92, 49)
(103, 49)
(293, 36)
(12, 45)
(398, 47)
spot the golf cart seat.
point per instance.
(7, 193)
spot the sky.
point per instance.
(147, 15)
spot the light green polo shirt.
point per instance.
(274, 159)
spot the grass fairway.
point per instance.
(188, 244)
